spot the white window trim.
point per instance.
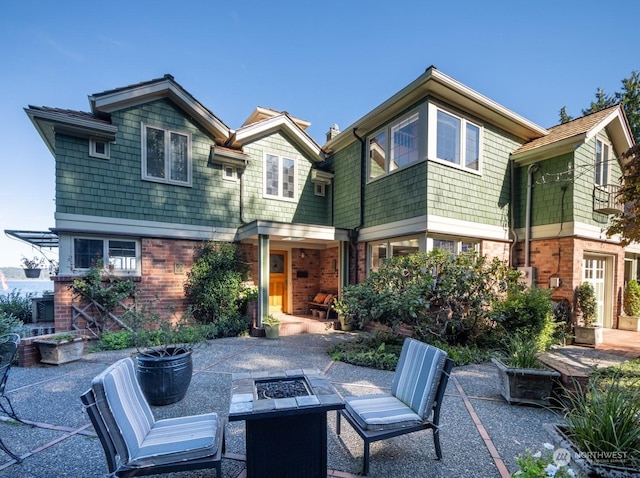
(105, 255)
(167, 148)
(605, 161)
(279, 196)
(319, 189)
(92, 148)
(433, 140)
(388, 128)
(234, 174)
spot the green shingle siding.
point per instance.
(346, 167)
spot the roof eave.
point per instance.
(165, 88)
(434, 83)
(61, 123)
(547, 151)
(271, 125)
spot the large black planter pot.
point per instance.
(164, 380)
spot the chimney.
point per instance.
(333, 132)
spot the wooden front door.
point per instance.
(277, 281)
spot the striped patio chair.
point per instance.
(134, 442)
(414, 403)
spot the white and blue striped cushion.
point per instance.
(413, 391)
(118, 395)
(139, 439)
(418, 375)
(380, 412)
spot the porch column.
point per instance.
(263, 278)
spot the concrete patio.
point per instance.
(481, 434)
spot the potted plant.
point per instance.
(164, 348)
(523, 378)
(32, 267)
(631, 307)
(271, 326)
(344, 315)
(60, 348)
(587, 332)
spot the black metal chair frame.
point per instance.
(434, 423)
(8, 348)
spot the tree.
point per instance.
(627, 224)
(630, 99)
(603, 101)
(564, 117)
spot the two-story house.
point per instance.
(150, 172)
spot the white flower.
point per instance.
(570, 472)
(548, 446)
(537, 455)
(551, 470)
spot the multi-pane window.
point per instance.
(166, 155)
(394, 146)
(117, 255)
(602, 163)
(456, 140)
(379, 251)
(452, 246)
(279, 177)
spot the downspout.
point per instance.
(530, 171)
(241, 174)
(512, 228)
(353, 234)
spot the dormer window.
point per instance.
(99, 148)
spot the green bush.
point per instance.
(380, 350)
(215, 289)
(525, 309)
(119, 340)
(442, 296)
(632, 298)
(11, 325)
(16, 305)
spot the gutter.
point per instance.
(512, 228)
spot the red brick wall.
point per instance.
(562, 258)
(498, 249)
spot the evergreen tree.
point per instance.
(630, 99)
(564, 117)
(603, 101)
(628, 223)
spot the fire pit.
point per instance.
(282, 388)
(285, 416)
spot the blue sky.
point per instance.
(328, 61)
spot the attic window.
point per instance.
(229, 173)
(99, 148)
(319, 189)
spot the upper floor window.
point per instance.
(99, 148)
(602, 163)
(456, 140)
(279, 177)
(118, 255)
(394, 146)
(166, 155)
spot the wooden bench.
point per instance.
(322, 301)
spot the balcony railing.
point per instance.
(605, 200)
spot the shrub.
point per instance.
(605, 418)
(525, 309)
(443, 297)
(586, 301)
(380, 350)
(215, 289)
(632, 298)
(16, 305)
(119, 340)
(9, 324)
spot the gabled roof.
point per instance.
(165, 87)
(261, 113)
(280, 122)
(566, 137)
(75, 123)
(433, 83)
